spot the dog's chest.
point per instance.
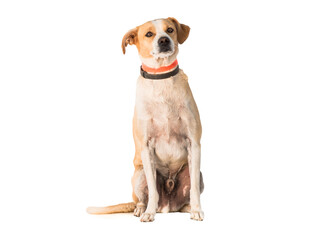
(163, 105)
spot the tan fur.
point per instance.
(183, 30)
(129, 38)
(119, 208)
(166, 123)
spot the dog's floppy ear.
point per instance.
(182, 30)
(129, 38)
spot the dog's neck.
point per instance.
(159, 62)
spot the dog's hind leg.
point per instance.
(180, 197)
(140, 192)
(186, 208)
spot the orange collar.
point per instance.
(161, 69)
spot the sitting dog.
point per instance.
(166, 127)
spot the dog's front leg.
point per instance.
(148, 159)
(194, 160)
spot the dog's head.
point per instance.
(157, 40)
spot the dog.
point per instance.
(166, 127)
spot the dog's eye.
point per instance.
(170, 30)
(149, 34)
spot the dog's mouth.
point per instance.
(163, 53)
(164, 49)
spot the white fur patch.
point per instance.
(161, 33)
(185, 190)
(151, 62)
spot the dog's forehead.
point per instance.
(156, 25)
(148, 26)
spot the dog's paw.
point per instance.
(147, 217)
(139, 210)
(197, 215)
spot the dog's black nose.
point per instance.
(163, 41)
(164, 44)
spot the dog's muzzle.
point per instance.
(164, 44)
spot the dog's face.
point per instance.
(157, 40)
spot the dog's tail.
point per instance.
(119, 208)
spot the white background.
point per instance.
(66, 104)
